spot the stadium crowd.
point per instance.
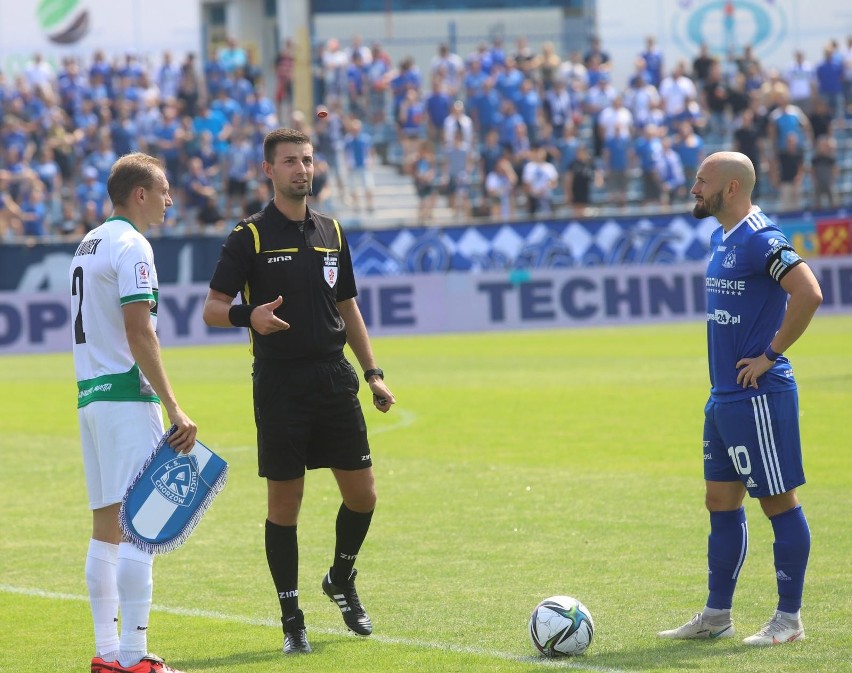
(499, 132)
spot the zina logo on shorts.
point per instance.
(177, 480)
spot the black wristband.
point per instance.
(240, 314)
(770, 354)
(370, 373)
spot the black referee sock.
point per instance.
(351, 530)
(282, 555)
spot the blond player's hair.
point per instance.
(129, 172)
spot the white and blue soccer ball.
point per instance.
(561, 626)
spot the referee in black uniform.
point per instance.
(293, 269)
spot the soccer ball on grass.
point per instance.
(561, 626)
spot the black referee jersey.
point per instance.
(308, 263)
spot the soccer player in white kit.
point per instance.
(121, 383)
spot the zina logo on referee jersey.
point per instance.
(177, 480)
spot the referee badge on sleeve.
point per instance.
(329, 270)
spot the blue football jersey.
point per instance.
(746, 304)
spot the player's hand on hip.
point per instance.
(751, 369)
(264, 321)
(183, 438)
(383, 398)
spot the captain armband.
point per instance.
(781, 261)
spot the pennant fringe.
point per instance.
(169, 545)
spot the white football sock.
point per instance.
(135, 590)
(128, 659)
(103, 595)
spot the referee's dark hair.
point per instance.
(278, 136)
(129, 172)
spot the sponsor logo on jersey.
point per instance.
(774, 246)
(279, 258)
(143, 275)
(177, 481)
(751, 483)
(100, 388)
(722, 317)
(724, 285)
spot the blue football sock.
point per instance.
(792, 548)
(726, 551)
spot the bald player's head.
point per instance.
(734, 166)
(723, 187)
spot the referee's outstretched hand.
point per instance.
(264, 321)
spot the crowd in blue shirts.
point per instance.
(502, 130)
(638, 143)
(63, 128)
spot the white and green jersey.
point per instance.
(113, 266)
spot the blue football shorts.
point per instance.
(755, 441)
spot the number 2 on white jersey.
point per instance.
(77, 290)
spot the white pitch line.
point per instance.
(387, 640)
(404, 419)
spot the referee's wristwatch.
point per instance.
(370, 373)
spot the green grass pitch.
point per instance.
(514, 466)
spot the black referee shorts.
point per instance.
(308, 416)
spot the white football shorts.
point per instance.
(117, 438)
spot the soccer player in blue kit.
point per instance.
(761, 297)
